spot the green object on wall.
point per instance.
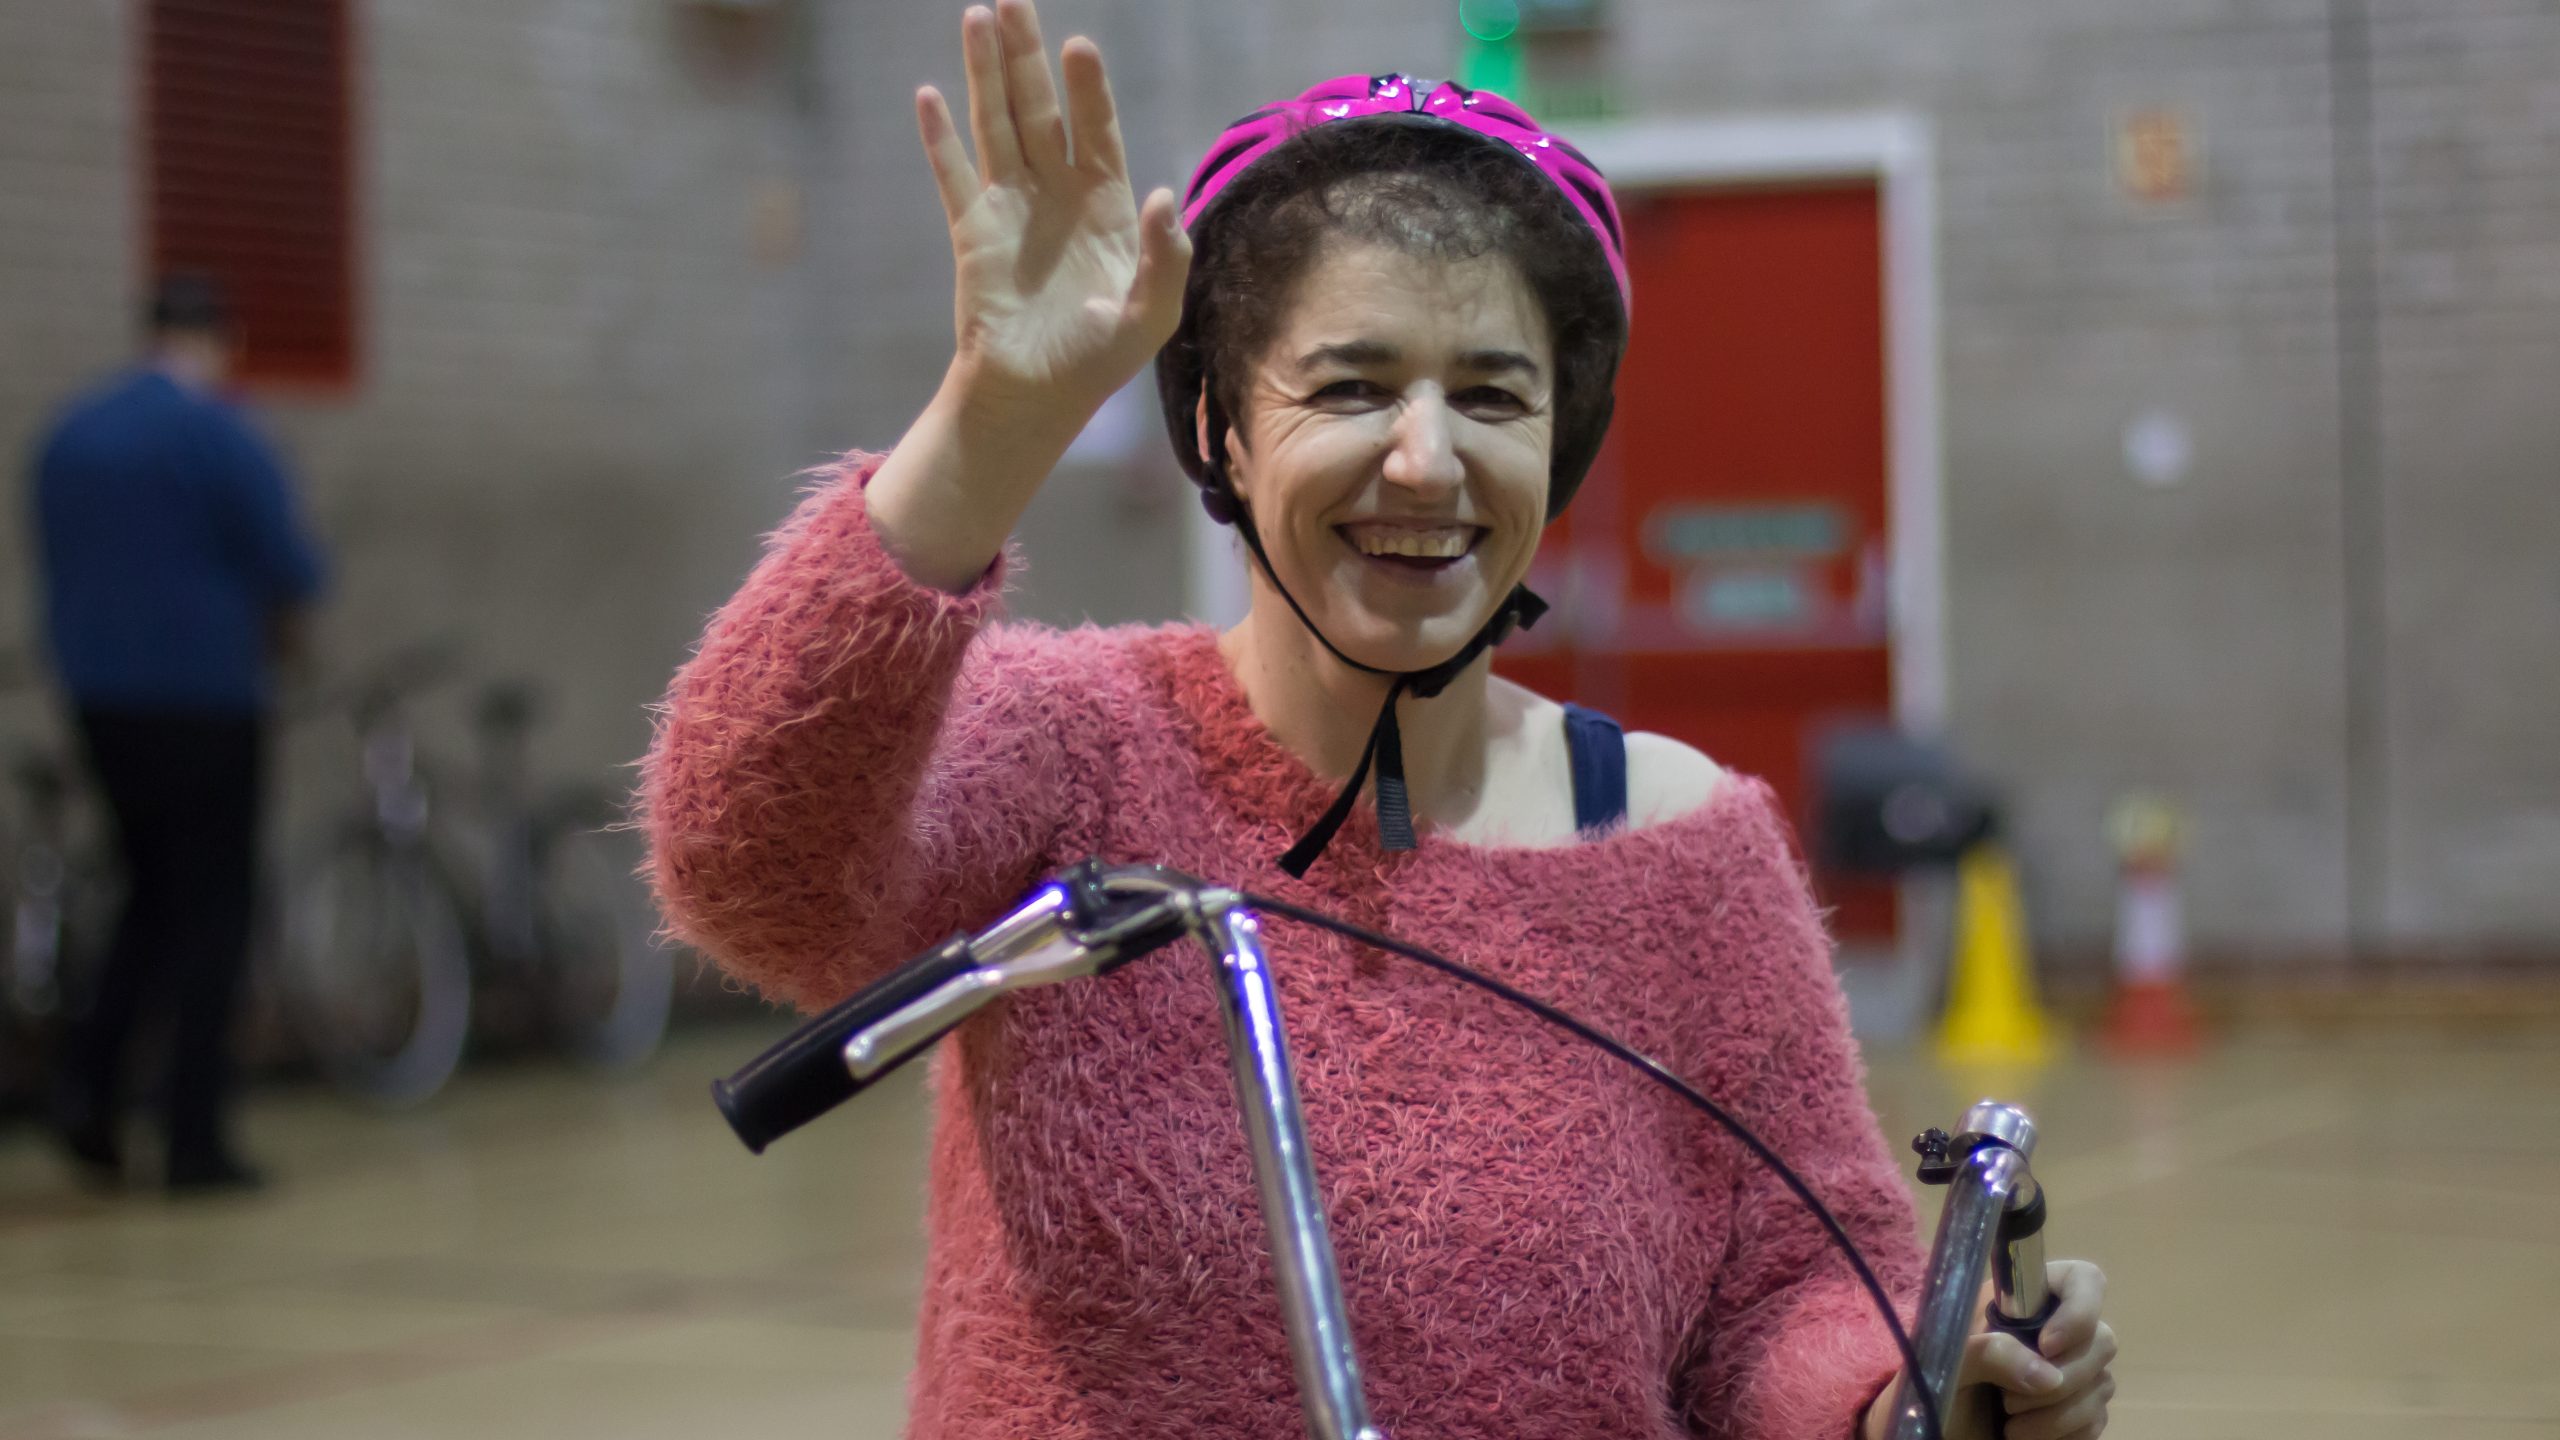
(1495, 65)
(1491, 21)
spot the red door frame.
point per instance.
(1895, 151)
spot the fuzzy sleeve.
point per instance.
(1791, 1346)
(848, 770)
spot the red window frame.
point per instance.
(249, 175)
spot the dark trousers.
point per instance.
(184, 789)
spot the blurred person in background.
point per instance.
(175, 572)
(1389, 365)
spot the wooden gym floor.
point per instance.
(2351, 1235)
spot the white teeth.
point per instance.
(1419, 544)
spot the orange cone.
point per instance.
(2150, 1014)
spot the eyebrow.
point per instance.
(1356, 353)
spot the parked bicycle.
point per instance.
(57, 904)
(442, 898)
(1092, 919)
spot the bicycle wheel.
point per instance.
(58, 910)
(30, 996)
(376, 970)
(609, 981)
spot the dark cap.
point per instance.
(188, 302)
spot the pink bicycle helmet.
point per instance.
(1392, 98)
(1348, 96)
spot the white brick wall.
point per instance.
(2107, 636)
(66, 303)
(2467, 202)
(583, 398)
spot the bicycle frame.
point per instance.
(1092, 919)
(1302, 1258)
(1041, 942)
(492, 884)
(38, 887)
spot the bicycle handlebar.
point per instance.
(807, 1075)
(1991, 1225)
(1091, 919)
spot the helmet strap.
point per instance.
(1385, 751)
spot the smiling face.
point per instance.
(1394, 448)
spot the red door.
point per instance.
(1722, 576)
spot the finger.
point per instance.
(953, 175)
(2082, 1289)
(1029, 91)
(990, 116)
(2005, 1361)
(2080, 1374)
(1092, 111)
(1164, 263)
(2086, 1414)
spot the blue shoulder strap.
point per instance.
(1599, 753)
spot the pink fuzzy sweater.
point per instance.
(1534, 1242)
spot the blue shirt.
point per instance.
(169, 538)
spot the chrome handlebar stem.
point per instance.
(1059, 934)
(1302, 1259)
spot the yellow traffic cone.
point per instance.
(1992, 1016)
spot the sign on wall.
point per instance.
(2157, 155)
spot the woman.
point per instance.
(1389, 366)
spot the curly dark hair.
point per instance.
(1426, 188)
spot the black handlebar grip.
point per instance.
(804, 1076)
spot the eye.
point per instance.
(1491, 398)
(1351, 390)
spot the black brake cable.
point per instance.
(1651, 1069)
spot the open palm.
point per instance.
(1066, 286)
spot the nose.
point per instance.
(1423, 453)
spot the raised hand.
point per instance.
(1066, 286)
